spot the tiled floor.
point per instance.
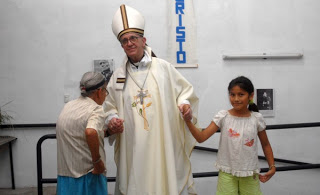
(48, 190)
(28, 191)
(300, 182)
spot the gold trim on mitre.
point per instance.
(127, 19)
(124, 16)
(130, 30)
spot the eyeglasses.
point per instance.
(107, 92)
(132, 39)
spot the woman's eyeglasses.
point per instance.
(107, 92)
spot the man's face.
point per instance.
(133, 45)
(103, 64)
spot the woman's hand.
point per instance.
(98, 167)
(115, 126)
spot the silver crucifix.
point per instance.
(142, 94)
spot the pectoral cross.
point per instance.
(142, 94)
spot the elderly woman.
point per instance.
(80, 140)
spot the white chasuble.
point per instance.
(145, 133)
(152, 154)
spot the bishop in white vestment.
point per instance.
(153, 152)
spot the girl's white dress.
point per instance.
(238, 147)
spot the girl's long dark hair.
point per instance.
(245, 84)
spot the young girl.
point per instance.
(238, 149)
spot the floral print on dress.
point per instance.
(249, 143)
(233, 133)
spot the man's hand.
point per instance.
(186, 112)
(115, 126)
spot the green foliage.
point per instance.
(4, 116)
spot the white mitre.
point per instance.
(127, 19)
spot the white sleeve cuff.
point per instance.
(185, 102)
(111, 116)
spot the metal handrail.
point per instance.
(269, 127)
(39, 164)
(297, 166)
(42, 180)
(284, 168)
(259, 157)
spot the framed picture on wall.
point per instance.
(265, 102)
(104, 66)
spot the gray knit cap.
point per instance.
(91, 81)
